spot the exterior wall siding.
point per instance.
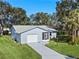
(18, 38)
(13, 33)
(15, 36)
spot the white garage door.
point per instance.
(32, 38)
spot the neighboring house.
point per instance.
(32, 33)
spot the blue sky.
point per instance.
(34, 6)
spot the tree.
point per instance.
(68, 13)
(40, 18)
(72, 24)
(19, 16)
(54, 20)
(12, 14)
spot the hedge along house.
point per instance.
(32, 33)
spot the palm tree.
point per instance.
(72, 24)
(68, 14)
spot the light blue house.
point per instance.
(32, 33)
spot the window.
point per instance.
(45, 35)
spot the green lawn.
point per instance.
(9, 49)
(64, 48)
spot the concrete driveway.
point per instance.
(46, 52)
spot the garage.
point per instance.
(32, 38)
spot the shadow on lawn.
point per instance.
(70, 57)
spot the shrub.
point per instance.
(77, 40)
(64, 38)
(54, 39)
(6, 32)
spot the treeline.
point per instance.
(18, 16)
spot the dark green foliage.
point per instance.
(6, 32)
(63, 38)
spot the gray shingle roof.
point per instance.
(23, 28)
